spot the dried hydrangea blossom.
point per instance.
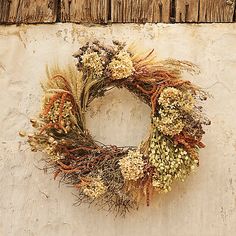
(170, 161)
(95, 188)
(121, 66)
(172, 98)
(92, 63)
(169, 122)
(174, 105)
(132, 165)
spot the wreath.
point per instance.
(118, 178)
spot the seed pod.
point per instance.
(51, 140)
(34, 123)
(22, 133)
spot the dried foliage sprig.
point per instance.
(117, 178)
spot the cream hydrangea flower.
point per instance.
(175, 98)
(93, 63)
(174, 103)
(121, 66)
(132, 165)
(169, 122)
(95, 189)
(170, 97)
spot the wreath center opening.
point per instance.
(118, 118)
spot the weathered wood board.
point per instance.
(117, 11)
(84, 11)
(140, 11)
(28, 11)
(187, 11)
(179, 11)
(216, 11)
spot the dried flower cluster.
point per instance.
(92, 63)
(121, 66)
(95, 188)
(60, 115)
(97, 60)
(171, 161)
(118, 178)
(169, 122)
(132, 165)
(176, 108)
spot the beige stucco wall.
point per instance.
(31, 202)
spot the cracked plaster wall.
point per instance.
(31, 202)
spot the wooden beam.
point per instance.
(216, 11)
(140, 11)
(84, 11)
(28, 11)
(234, 13)
(123, 11)
(187, 10)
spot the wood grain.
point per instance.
(141, 11)
(28, 11)
(121, 11)
(216, 11)
(234, 13)
(187, 10)
(84, 11)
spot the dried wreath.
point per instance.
(117, 178)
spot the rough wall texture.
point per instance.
(31, 203)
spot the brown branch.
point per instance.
(64, 166)
(147, 91)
